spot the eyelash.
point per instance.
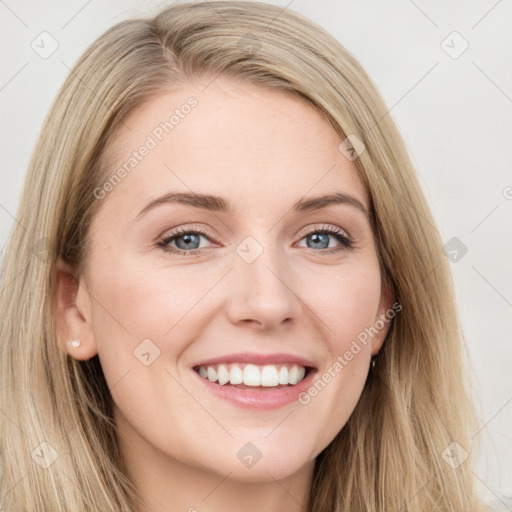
(345, 241)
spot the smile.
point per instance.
(256, 387)
(251, 375)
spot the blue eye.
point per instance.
(321, 236)
(188, 241)
(186, 238)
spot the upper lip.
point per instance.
(256, 358)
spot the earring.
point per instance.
(74, 343)
(373, 362)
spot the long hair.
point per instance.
(58, 440)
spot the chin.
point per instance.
(250, 462)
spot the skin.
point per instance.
(254, 147)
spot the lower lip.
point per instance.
(259, 398)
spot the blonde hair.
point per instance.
(415, 402)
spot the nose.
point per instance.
(261, 292)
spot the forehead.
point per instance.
(230, 138)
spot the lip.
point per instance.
(256, 358)
(258, 399)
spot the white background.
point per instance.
(455, 115)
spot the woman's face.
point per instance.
(247, 279)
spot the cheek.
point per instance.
(347, 301)
(143, 302)
(144, 319)
(149, 315)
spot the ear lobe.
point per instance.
(71, 319)
(383, 319)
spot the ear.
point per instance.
(385, 313)
(72, 309)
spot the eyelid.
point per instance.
(343, 237)
(319, 226)
(187, 228)
(168, 236)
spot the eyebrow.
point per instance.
(218, 204)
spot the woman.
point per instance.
(305, 355)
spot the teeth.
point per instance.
(236, 375)
(292, 375)
(269, 375)
(222, 374)
(212, 374)
(252, 375)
